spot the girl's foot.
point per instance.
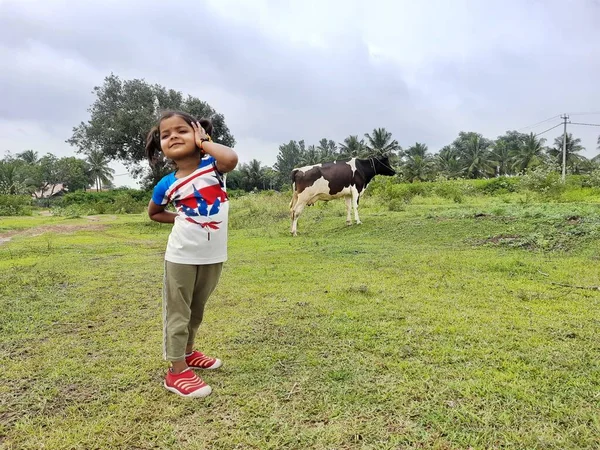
(186, 384)
(197, 360)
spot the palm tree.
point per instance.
(474, 154)
(253, 174)
(99, 170)
(418, 163)
(310, 156)
(596, 158)
(381, 142)
(29, 156)
(501, 156)
(327, 150)
(529, 153)
(573, 146)
(352, 147)
(448, 163)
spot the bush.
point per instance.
(117, 201)
(449, 190)
(396, 205)
(71, 211)
(591, 180)
(544, 180)
(498, 186)
(15, 205)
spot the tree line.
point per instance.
(28, 174)
(124, 111)
(470, 155)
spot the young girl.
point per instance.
(197, 245)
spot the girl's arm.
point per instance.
(158, 213)
(226, 158)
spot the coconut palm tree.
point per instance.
(474, 154)
(501, 156)
(253, 174)
(530, 153)
(29, 156)
(380, 142)
(310, 156)
(417, 163)
(327, 150)
(352, 147)
(573, 147)
(448, 163)
(99, 170)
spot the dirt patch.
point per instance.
(37, 231)
(501, 238)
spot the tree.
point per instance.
(98, 168)
(474, 154)
(253, 175)
(352, 147)
(573, 147)
(288, 158)
(13, 176)
(505, 149)
(123, 114)
(234, 179)
(310, 156)
(327, 150)
(447, 162)
(47, 174)
(529, 154)
(28, 156)
(381, 142)
(73, 173)
(269, 178)
(501, 156)
(417, 163)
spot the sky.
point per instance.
(289, 70)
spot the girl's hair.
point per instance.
(153, 138)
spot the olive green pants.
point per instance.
(185, 292)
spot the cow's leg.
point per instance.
(298, 208)
(348, 210)
(293, 204)
(355, 196)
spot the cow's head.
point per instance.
(382, 166)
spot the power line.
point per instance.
(555, 126)
(586, 124)
(591, 113)
(539, 123)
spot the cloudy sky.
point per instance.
(281, 70)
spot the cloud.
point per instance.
(304, 70)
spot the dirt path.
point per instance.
(63, 229)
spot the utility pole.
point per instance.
(564, 153)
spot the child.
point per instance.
(197, 245)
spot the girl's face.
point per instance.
(177, 139)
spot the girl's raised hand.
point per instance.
(199, 134)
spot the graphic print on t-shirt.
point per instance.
(201, 204)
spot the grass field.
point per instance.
(445, 326)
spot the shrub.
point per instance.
(498, 186)
(544, 180)
(591, 180)
(449, 190)
(15, 205)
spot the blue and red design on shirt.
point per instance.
(197, 197)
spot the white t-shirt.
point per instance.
(199, 234)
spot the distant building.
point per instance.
(51, 191)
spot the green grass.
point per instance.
(439, 326)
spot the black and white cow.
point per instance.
(336, 179)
